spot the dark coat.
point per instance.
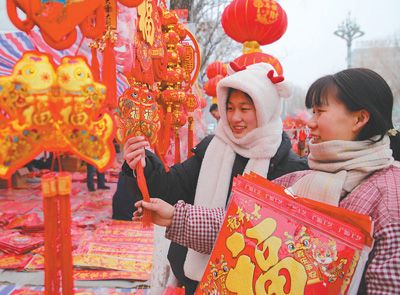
(181, 181)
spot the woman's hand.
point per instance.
(134, 151)
(161, 212)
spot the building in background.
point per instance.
(382, 56)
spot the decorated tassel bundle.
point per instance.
(56, 192)
(50, 208)
(64, 191)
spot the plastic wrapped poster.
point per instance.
(274, 243)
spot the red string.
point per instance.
(79, 46)
(59, 163)
(177, 148)
(190, 136)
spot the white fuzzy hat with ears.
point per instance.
(260, 82)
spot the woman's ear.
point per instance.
(361, 119)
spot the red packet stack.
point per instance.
(16, 243)
(273, 243)
(124, 247)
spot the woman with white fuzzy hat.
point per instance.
(249, 137)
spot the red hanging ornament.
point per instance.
(261, 21)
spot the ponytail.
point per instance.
(395, 144)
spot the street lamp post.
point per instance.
(349, 30)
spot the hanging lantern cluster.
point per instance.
(53, 110)
(215, 72)
(261, 23)
(176, 100)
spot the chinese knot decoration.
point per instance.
(261, 23)
(44, 109)
(178, 104)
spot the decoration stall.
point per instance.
(79, 75)
(272, 242)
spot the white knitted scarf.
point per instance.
(260, 145)
(340, 166)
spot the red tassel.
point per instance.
(50, 210)
(177, 147)
(95, 65)
(141, 180)
(64, 192)
(167, 130)
(190, 136)
(109, 76)
(161, 156)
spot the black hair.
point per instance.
(358, 89)
(213, 107)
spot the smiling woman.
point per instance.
(241, 113)
(249, 137)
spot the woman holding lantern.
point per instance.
(249, 137)
(354, 154)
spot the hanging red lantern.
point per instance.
(261, 21)
(210, 87)
(256, 57)
(216, 68)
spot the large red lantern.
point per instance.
(263, 21)
(256, 57)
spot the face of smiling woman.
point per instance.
(240, 113)
(333, 121)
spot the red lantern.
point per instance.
(254, 20)
(210, 87)
(216, 68)
(256, 57)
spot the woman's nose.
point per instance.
(311, 123)
(234, 115)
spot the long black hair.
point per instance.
(359, 89)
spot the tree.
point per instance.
(205, 17)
